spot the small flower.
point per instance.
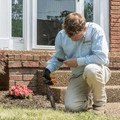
(21, 91)
(11, 92)
(13, 87)
(24, 87)
(17, 87)
(26, 93)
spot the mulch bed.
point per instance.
(38, 101)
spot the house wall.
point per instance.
(114, 26)
(22, 66)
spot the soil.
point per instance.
(39, 101)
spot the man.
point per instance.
(82, 47)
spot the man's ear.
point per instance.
(85, 28)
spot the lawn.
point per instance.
(32, 113)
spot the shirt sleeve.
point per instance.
(99, 50)
(54, 64)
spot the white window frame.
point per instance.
(16, 43)
(100, 16)
(79, 8)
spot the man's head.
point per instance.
(74, 26)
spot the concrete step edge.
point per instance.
(107, 87)
(112, 86)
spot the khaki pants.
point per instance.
(79, 90)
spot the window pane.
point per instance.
(17, 18)
(50, 16)
(88, 10)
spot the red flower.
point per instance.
(23, 91)
(11, 92)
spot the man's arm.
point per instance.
(55, 61)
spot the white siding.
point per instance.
(4, 23)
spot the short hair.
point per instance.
(74, 23)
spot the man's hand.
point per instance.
(46, 75)
(71, 62)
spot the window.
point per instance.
(88, 10)
(17, 18)
(50, 17)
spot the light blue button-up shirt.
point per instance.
(91, 49)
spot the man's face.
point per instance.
(78, 36)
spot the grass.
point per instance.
(25, 113)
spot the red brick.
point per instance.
(11, 83)
(23, 71)
(115, 45)
(29, 57)
(115, 41)
(115, 12)
(115, 7)
(116, 65)
(28, 77)
(114, 50)
(23, 57)
(115, 24)
(13, 64)
(115, 37)
(115, 3)
(36, 57)
(21, 83)
(48, 57)
(115, 16)
(116, 0)
(115, 29)
(43, 57)
(30, 64)
(112, 59)
(17, 57)
(11, 57)
(15, 77)
(115, 21)
(117, 59)
(43, 64)
(115, 33)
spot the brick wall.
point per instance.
(22, 69)
(114, 25)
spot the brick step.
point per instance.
(115, 78)
(62, 77)
(113, 93)
(113, 109)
